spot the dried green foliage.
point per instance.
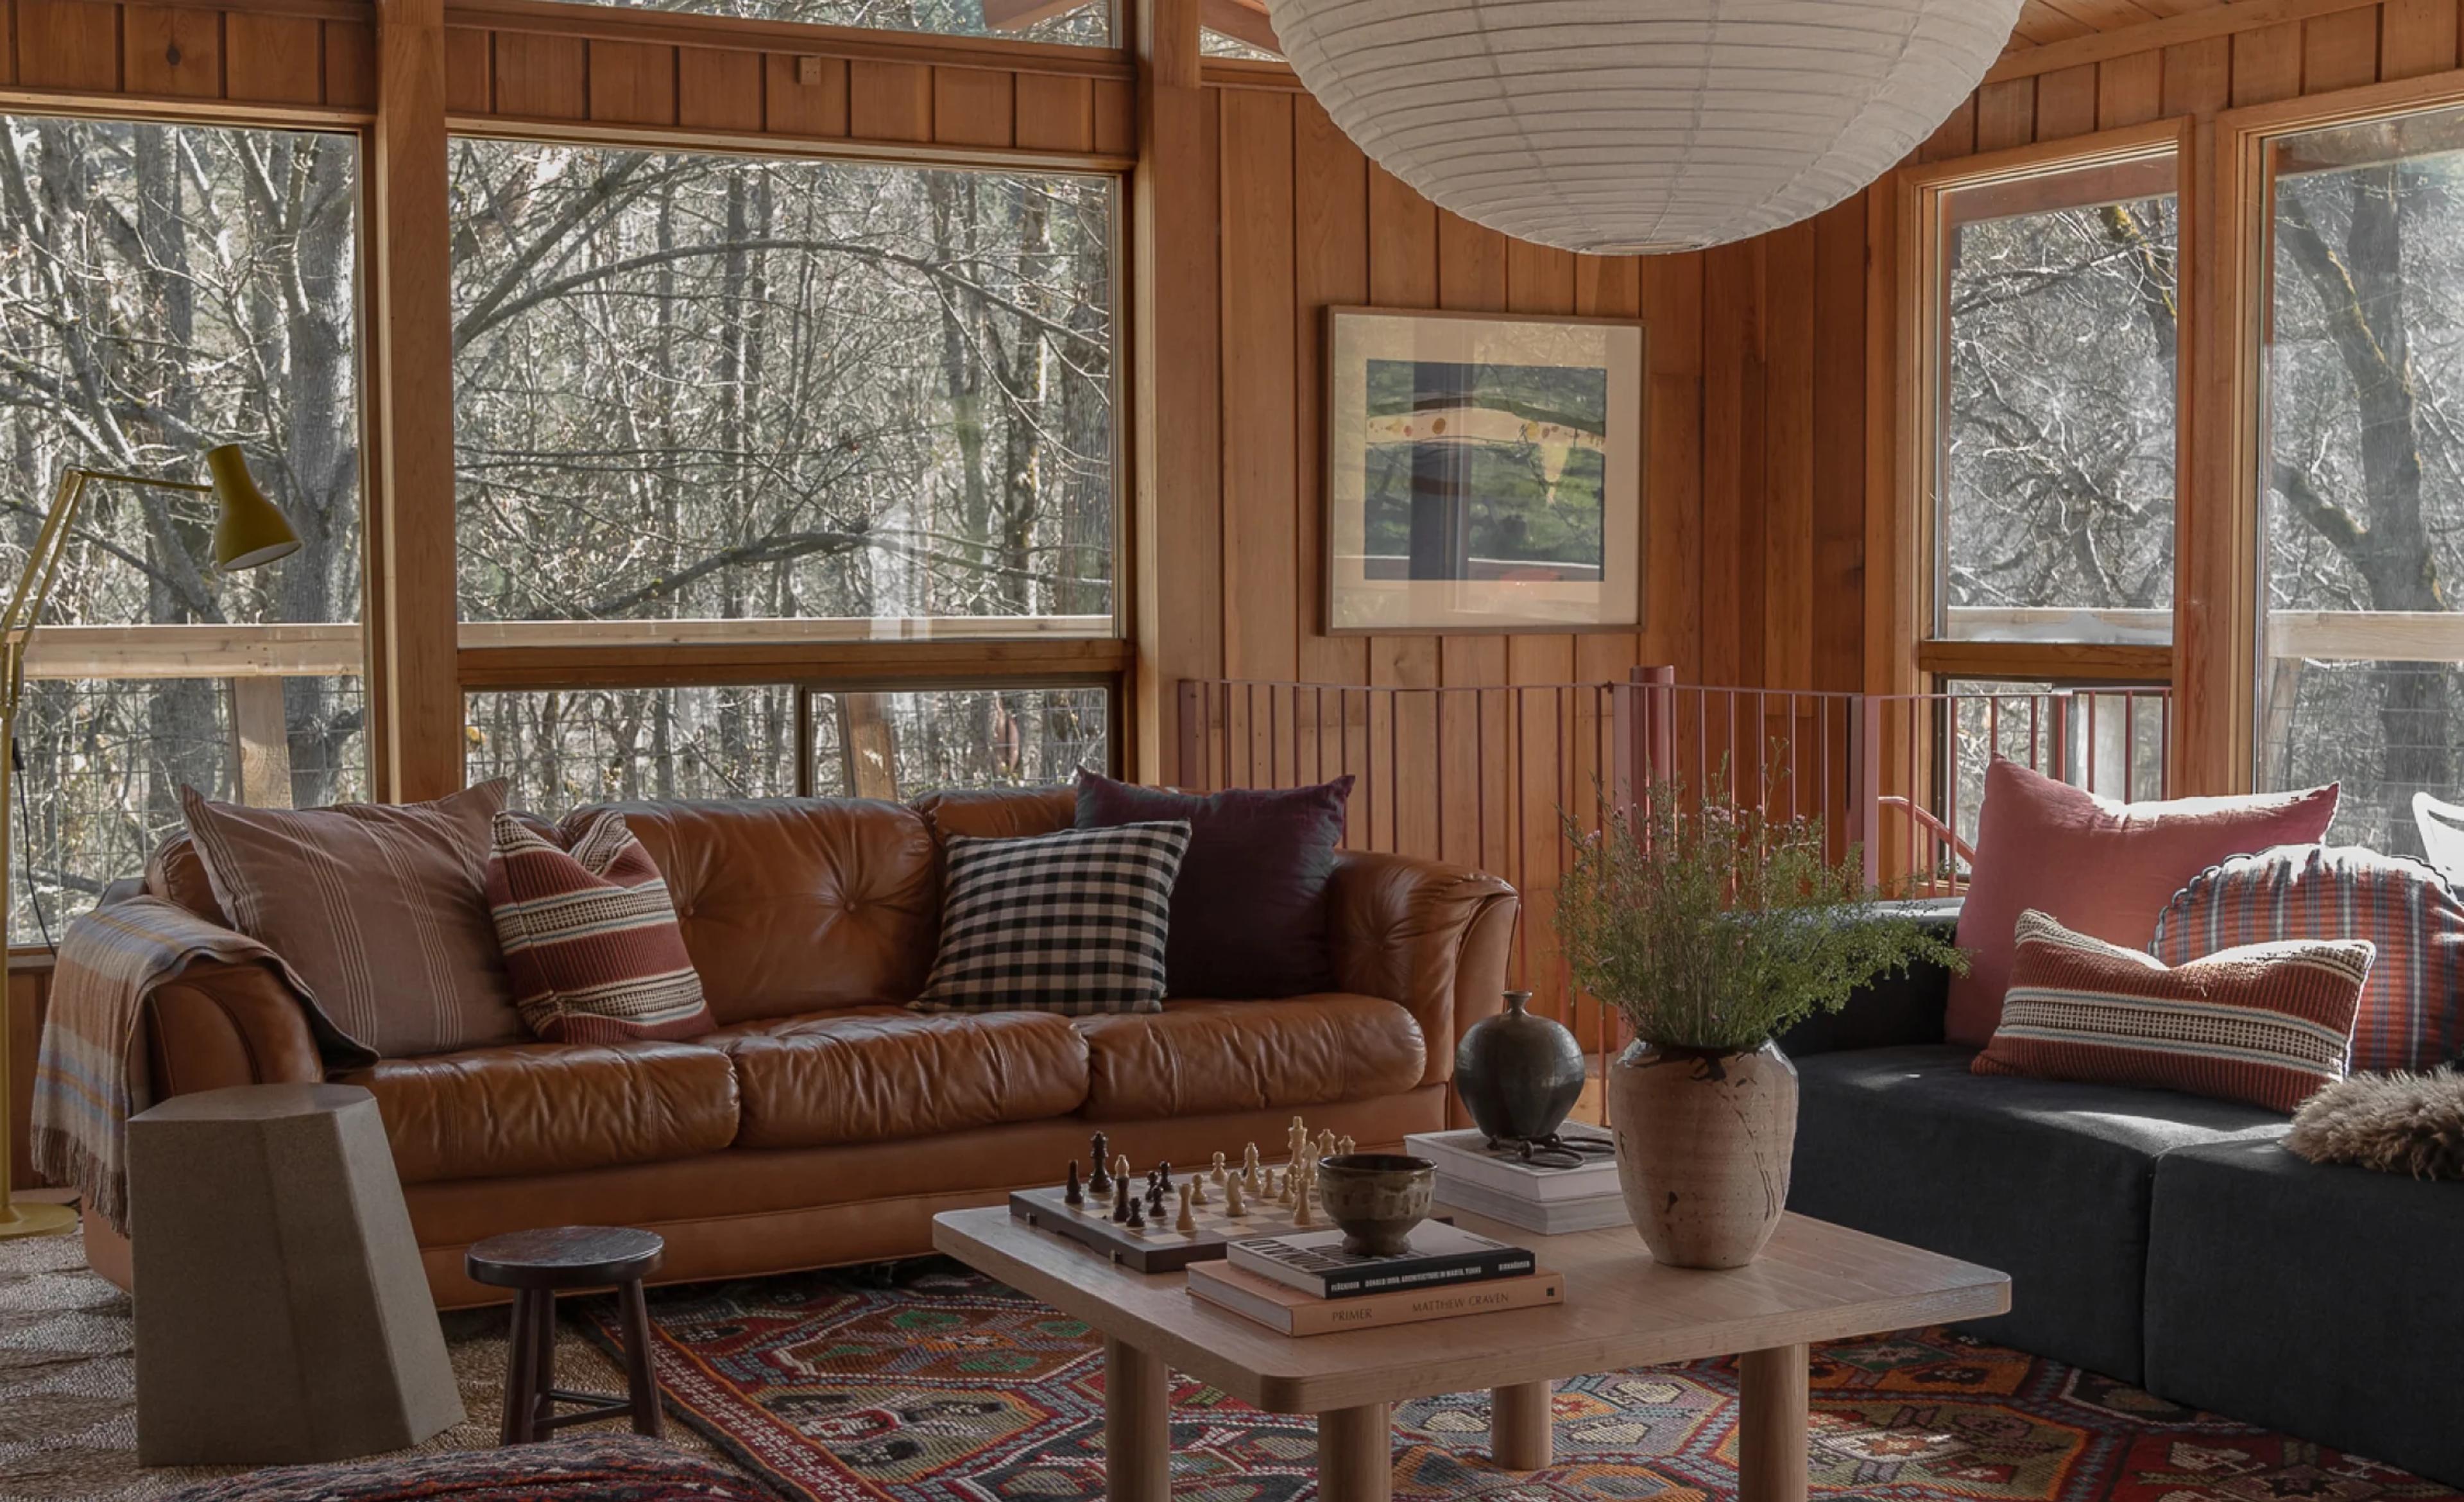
(1713, 925)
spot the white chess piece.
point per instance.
(1232, 1201)
(1187, 1224)
(1215, 1173)
(1197, 1188)
(1301, 1218)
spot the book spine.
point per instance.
(1406, 1307)
(1471, 1268)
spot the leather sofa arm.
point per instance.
(1432, 936)
(228, 1023)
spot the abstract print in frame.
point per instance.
(1483, 472)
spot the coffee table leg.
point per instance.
(1137, 1425)
(1356, 1454)
(1771, 1403)
(1520, 1434)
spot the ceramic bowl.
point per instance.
(1376, 1198)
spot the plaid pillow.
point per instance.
(2268, 1023)
(590, 936)
(1071, 922)
(2409, 1010)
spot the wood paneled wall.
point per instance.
(523, 64)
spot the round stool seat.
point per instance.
(565, 1257)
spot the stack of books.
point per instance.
(1304, 1283)
(1502, 1185)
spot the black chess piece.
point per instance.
(1101, 1182)
(1155, 1197)
(1121, 1201)
(1163, 1174)
(1070, 1194)
(1137, 1221)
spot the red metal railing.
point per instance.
(1491, 776)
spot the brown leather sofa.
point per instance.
(823, 1124)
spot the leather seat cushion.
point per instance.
(551, 1106)
(797, 905)
(1205, 1057)
(881, 1075)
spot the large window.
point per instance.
(711, 389)
(2055, 386)
(1083, 23)
(2363, 468)
(164, 289)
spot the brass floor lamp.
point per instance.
(249, 530)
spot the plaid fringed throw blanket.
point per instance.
(88, 1080)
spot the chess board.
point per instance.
(1158, 1247)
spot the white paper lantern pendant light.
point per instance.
(1628, 127)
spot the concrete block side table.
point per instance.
(282, 1315)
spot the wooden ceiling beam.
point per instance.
(1241, 20)
(2188, 27)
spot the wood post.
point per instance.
(1137, 1424)
(414, 685)
(261, 742)
(1356, 1454)
(1520, 1434)
(1174, 531)
(1772, 1402)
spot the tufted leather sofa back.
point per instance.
(794, 905)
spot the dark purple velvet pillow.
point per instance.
(1249, 913)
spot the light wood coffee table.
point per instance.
(1817, 1282)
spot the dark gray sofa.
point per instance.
(2160, 1238)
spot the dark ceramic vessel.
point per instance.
(1518, 1074)
(1376, 1198)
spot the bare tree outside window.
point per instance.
(2056, 483)
(162, 289)
(2364, 497)
(1083, 23)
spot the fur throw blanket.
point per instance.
(2395, 1123)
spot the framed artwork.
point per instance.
(1483, 472)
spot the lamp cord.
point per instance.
(26, 834)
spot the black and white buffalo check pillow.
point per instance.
(1071, 922)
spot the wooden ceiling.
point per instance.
(2042, 21)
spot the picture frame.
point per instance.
(1483, 472)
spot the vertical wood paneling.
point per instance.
(1261, 515)
(1838, 617)
(173, 52)
(350, 65)
(1478, 776)
(889, 101)
(1787, 553)
(1954, 137)
(467, 86)
(2004, 116)
(542, 77)
(68, 44)
(2129, 89)
(719, 89)
(2340, 51)
(1403, 274)
(1731, 385)
(1672, 310)
(2198, 76)
(2416, 37)
(974, 107)
(796, 108)
(1117, 117)
(2066, 101)
(2267, 64)
(271, 57)
(1055, 113)
(632, 83)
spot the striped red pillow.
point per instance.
(590, 936)
(2266, 1024)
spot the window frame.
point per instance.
(1926, 225)
(2218, 696)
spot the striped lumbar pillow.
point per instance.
(590, 936)
(2267, 1024)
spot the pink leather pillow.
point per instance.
(2097, 867)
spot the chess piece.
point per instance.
(1232, 1201)
(1325, 1145)
(1284, 1185)
(1121, 1166)
(1121, 1201)
(1163, 1174)
(1156, 1198)
(1301, 1218)
(1187, 1225)
(1137, 1222)
(1345, 1146)
(1100, 1157)
(1071, 1195)
(1215, 1173)
(1197, 1188)
(1249, 1168)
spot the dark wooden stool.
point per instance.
(536, 1265)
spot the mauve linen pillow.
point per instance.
(1249, 911)
(2097, 867)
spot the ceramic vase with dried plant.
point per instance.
(1713, 927)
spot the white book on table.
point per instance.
(1464, 1156)
(1550, 1217)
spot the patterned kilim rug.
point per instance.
(927, 1383)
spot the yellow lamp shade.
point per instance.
(251, 530)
